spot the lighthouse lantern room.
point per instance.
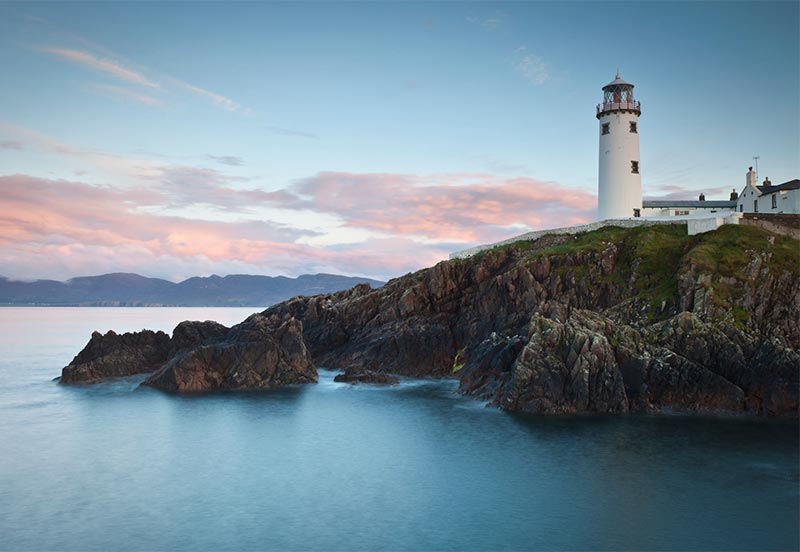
(619, 177)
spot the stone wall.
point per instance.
(531, 236)
(786, 224)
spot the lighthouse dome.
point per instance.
(617, 82)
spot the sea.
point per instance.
(415, 466)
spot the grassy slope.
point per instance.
(658, 254)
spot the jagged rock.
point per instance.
(487, 371)
(366, 376)
(260, 353)
(764, 374)
(189, 334)
(566, 367)
(114, 355)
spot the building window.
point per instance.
(681, 213)
(774, 201)
(606, 128)
(635, 167)
(741, 208)
(637, 213)
(755, 206)
(633, 127)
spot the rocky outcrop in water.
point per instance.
(260, 353)
(355, 376)
(617, 320)
(115, 355)
(189, 334)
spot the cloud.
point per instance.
(10, 145)
(532, 68)
(218, 99)
(59, 228)
(117, 70)
(289, 132)
(174, 220)
(125, 93)
(229, 160)
(119, 167)
(448, 208)
(62, 228)
(111, 67)
(70, 222)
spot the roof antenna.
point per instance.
(756, 158)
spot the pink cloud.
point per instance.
(63, 228)
(59, 229)
(457, 208)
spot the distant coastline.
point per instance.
(134, 290)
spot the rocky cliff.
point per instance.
(616, 320)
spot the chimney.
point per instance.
(702, 197)
(734, 195)
(752, 177)
(767, 183)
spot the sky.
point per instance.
(362, 138)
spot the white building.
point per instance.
(687, 208)
(619, 179)
(768, 199)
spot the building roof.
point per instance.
(617, 80)
(785, 187)
(670, 203)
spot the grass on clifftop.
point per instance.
(658, 254)
(725, 251)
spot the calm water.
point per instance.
(335, 467)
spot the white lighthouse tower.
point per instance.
(619, 178)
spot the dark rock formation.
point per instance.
(189, 334)
(640, 319)
(114, 355)
(565, 368)
(617, 320)
(261, 352)
(366, 376)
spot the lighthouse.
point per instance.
(619, 183)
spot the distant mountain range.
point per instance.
(133, 290)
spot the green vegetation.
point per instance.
(457, 365)
(725, 252)
(652, 258)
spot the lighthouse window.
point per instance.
(633, 127)
(635, 167)
(606, 128)
(774, 201)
